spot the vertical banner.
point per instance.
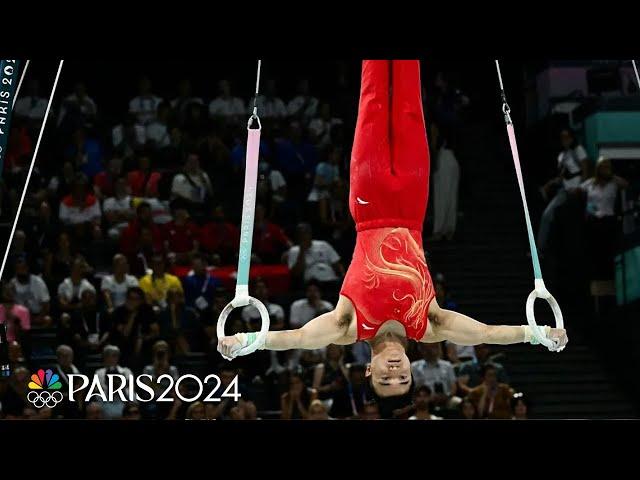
(9, 77)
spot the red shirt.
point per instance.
(105, 182)
(181, 238)
(18, 148)
(131, 234)
(269, 241)
(139, 181)
(222, 238)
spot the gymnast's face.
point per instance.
(390, 370)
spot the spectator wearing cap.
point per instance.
(157, 284)
(32, 292)
(71, 289)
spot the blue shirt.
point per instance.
(193, 288)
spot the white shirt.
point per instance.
(250, 312)
(319, 259)
(69, 291)
(113, 204)
(75, 215)
(276, 180)
(33, 294)
(302, 312)
(429, 374)
(226, 107)
(296, 104)
(431, 417)
(33, 108)
(157, 132)
(321, 129)
(182, 187)
(270, 107)
(159, 210)
(601, 199)
(117, 290)
(185, 103)
(463, 350)
(87, 107)
(571, 160)
(117, 134)
(145, 108)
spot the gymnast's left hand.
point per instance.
(559, 337)
(229, 346)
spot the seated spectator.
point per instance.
(85, 328)
(225, 105)
(78, 104)
(111, 361)
(251, 315)
(520, 406)
(31, 106)
(446, 178)
(129, 137)
(200, 286)
(421, 402)
(118, 210)
(95, 411)
(57, 264)
(215, 158)
(17, 250)
(327, 175)
(271, 188)
(181, 236)
(31, 291)
(313, 259)
(131, 411)
(269, 104)
(160, 210)
(143, 182)
(468, 410)
(492, 399)
(60, 185)
(14, 316)
(318, 411)
(114, 287)
(219, 238)
(303, 106)
(320, 127)
(370, 411)
(160, 366)
(71, 289)
(192, 186)
(269, 240)
(180, 324)
(104, 183)
(156, 284)
(145, 105)
(80, 207)
(469, 373)
(245, 410)
(196, 411)
(573, 169)
(296, 159)
(18, 152)
(184, 99)
(238, 153)
(130, 241)
(134, 327)
(85, 153)
(41, 232)
(157, 132)
(331, 381)
(65, 367)
(195, 125)
(309, 307)
(437, 374)
(295, 402)
(13, 397)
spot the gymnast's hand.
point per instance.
(559, 337)
(229, 346)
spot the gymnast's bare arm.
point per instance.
(462, 330)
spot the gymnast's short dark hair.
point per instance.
(387, 405)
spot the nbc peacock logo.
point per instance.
(40, 384)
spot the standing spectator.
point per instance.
(313, 259)
(225, 105)
(310, 307)
(437, 374)
(111, 362)
(181, 237)
(573, 169)
(421, 402)
(220, 238)
(31, 106)
(104, 183)
(143, 181)
(192, 186)
(492, 399)
(269, 240)
(156, 284)
(118, 209)
(78, 105)
(129, 137)
(303, 106)
(200, 286)
(269, 104)
(251, 315)
(14, 316)
(157, 132)
(85, 153)
(80, 207)
(145, 105)
(184, 99)
(115, 286)
(469, 374)
(71, 289)
(31, 291)
(295, 402)
(446, 178)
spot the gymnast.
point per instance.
(387, 295)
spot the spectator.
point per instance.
(130, 241)
(115, 286)
(320, 127)
(118, 210)
(327, 176)
(573, 169)
(446, 178)
(296, 158)
(111, 362)
(318, 411)
(131, 411)
(104, 183)
(180, 324)
(468, 410)
(309, 307)
(134, 327)
(250, 314)
(64, 368)
(225, 105)
(60, 185)
(18, 153)
(80, 207)
(269, 104)
(437, 374)
(269, 240)
(14, 316)
(78, 105)
(295, 402)
(157, 132)
(144, 182)
(520, 406)
(192, 187)
(85, 153)
(195, 125)
(601, 192)
(71, 289)
(331, 381)
(184, 99)
(14, 397)
(303, 106)
(145, 105)
(85, 328)
(31, 106)
(492, 399)
(469, 374)
(219, 238)
(94, 411)
(181, 236)
(421, 402)
(370, 411)
(196, 411)
(31, 291)
(156, 284)
(314, 259)
(129, 137)
(160, 366)
(200, 286)
(57, 266)
(42, 232)
(160, 211)
(271, 188)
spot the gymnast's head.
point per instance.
(389, 371)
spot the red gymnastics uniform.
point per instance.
(388, 278)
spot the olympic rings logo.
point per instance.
(44, 398)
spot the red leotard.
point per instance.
(388, 278)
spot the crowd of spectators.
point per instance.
(127, 244)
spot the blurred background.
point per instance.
(132, 218)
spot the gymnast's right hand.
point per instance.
(559, 337)
(229, 346)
